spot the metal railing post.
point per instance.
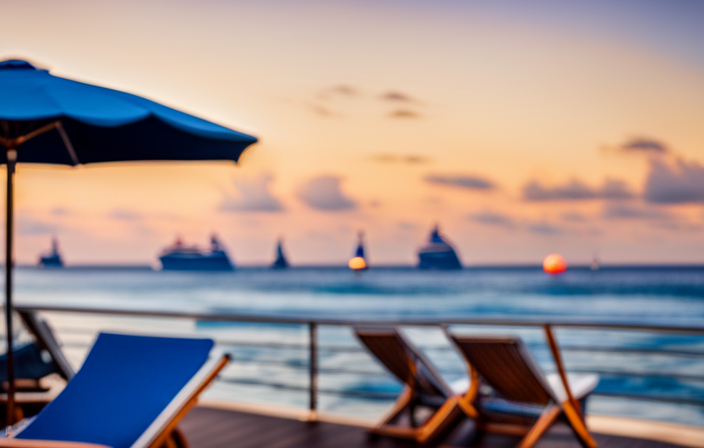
(313, 340)
(9, 208)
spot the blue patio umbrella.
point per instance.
(53, 120)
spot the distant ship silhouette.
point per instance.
(358, 262)
(52, 258)
(280, 262)
(179, 257)
(438, 254)
(596, 263)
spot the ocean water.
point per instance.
(649, 375)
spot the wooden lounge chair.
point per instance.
(520, 399)
(130, 392)
(424, 388)
(33, 387)
(31, 367)
(37, 381)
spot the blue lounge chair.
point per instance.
(130, 392)
(30, 365)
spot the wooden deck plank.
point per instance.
(214, 428)
(251, 429)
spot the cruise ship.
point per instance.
(52, 258)
(180, 257)
(438, 253)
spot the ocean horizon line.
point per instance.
(139, 266)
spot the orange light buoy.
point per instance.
(554, 264)
(357, 264)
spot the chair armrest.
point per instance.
(26, 443)
(561, 370)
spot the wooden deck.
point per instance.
(215, 428)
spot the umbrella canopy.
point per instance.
(102, 125)
(49, 119)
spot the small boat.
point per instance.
(437, 253)
(180, 257)
(596, 263)
(52, 258)
(358, 262)
(280, 262)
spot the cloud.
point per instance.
(404, 114)
(509, 223)
(544, 228)
(31, 226)
(679, 226)
(433, 200)
(60, 211)
(395, 96)
(490, 218)
(680, 182)
(411, 159)
(644, 145)
(573, 217)
(167, 216)
(122, 214)
(466, 181)
(656, 217)
(323, 111)
(576, 190)
(324, 193)
(340, 90)
(253, 195)
(328, 95)
(405, 225)
(631, 212)
(143, 230)
(344, 89)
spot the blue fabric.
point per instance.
(125, 382)
(502, 406)
(106, 125)
(28, 363)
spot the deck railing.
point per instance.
(43, 334)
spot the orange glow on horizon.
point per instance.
(554, 264)
(357, 264)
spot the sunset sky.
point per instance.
(521, 127)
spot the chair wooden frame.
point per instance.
(567, 409)
(163, 432)
(30, 401)
(403, 360)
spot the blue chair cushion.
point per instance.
(28, 363)
(124, 384)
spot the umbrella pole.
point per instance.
(11, 161)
